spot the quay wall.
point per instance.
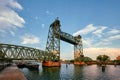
(12, 73)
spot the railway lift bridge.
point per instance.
(52, 51)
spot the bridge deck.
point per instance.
(68, 38)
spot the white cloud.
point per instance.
(111, 38)
(9, 19)
(29, 39)
(103, 43)
(14, 4)
(114, 31)
(89, 28)
(98, 35)
(94, 52)
(87, 42)
(99, 31)
(106, 41)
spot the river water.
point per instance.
(72, 72)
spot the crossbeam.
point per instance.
(68, 38)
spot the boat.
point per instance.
(32, 65)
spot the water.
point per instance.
(91, 72)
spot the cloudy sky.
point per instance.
(26, 22)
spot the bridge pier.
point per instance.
(51, 64)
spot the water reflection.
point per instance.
(91, 72)
(66, 73)
(78, 72)
(50, 73)
(71, 72)
(103, 68)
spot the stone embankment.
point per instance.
(12, 73)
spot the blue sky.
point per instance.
(26, 22)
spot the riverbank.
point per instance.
(12, 73)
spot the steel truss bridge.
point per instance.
(52, 51)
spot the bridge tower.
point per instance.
(52, 52)
(53, 45)
(78, 49)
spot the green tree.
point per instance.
(87, 59)
(84, 59)
(103, 58)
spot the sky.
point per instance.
(26, 23)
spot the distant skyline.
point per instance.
(26, 23)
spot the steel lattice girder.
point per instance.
(16, 52)
(53, 42)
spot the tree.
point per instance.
(103, 58)
(84, 59)
(87, 59)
